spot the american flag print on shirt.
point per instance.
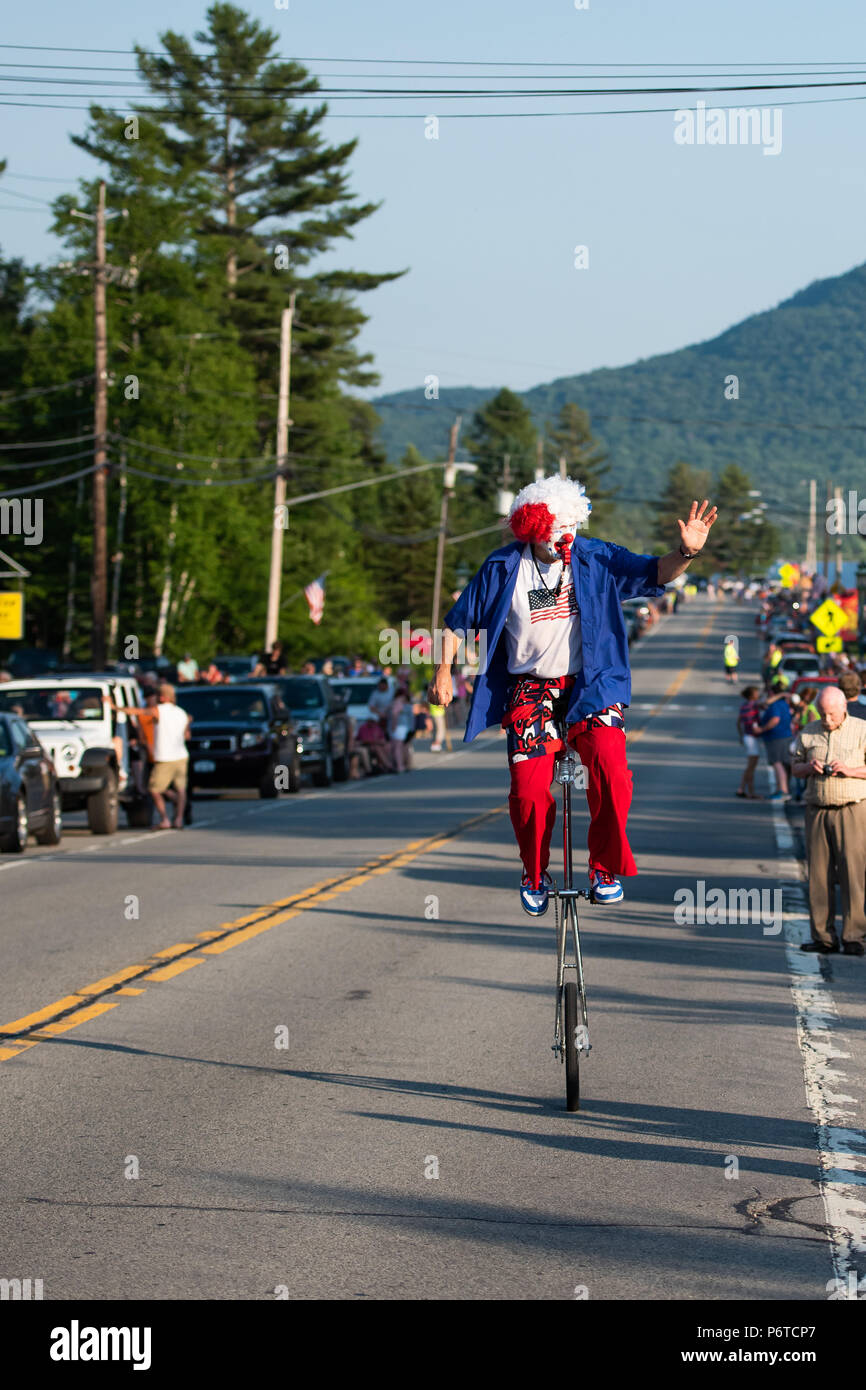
(545, 604)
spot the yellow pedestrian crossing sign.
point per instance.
(829, 644)
(829, 618)
(12, 616)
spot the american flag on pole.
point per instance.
(315, 595)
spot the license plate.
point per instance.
(204, 765)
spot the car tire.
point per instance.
(294, 775)
(16, 841)
(323, 773)
(53, 831)
(268, 789)
(103, 806)
(341, 768)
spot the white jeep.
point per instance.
(86, 740)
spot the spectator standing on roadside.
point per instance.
(775, 726)
(400, 723)
(831, 755)
(749, 729)
(437, 714)
(380, 701)
(731, 658)
(187, 670)
(271, 663)
(170, 757)
(806, 712)
(851, 687)
(771, 661)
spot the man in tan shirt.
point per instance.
(831, 755)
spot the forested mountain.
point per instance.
(800, 411)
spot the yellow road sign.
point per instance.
(12, 616)
(829, 644)
(789, 574)
(829, 618)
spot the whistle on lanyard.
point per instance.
(563, 546)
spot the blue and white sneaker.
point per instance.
(603, 887)
(534, 900)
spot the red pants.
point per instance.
(608, 793)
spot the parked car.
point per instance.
(88, 744)
(237, 668)
(322, 723)
(801, 682)
(640, 614)
(796, 644)
(357, 691)
(240, 736)
(29, 794)
(340, 664)
(24, 662)
(798, 663)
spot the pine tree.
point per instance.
(571, 437)
(501, 442)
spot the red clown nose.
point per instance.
(564, 547)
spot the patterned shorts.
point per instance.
(530, 720)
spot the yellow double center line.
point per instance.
(105, 994)
(93, 1000)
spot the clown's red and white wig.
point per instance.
(543, 508)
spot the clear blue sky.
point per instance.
(683, 241)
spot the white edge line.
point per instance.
(840, 1135)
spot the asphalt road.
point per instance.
(287, 1089)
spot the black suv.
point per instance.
(322, 723)
(241, 736)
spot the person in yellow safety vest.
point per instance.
(731, 658)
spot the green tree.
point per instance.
(501, 436)
(233, 198)
(684, 485)
(571, 438)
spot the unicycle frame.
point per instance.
(568, 953)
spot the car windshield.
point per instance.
(224, 706)
(234, 665)
(358, 692)
(301, 694)
(800, 663)
(50, 704)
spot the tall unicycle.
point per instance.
(571, 1031)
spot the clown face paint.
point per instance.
(558, 547)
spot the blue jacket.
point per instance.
(604, 575)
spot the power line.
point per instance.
(169, 113)
(45, 390)
(439, 62)
(47, 443)
(141, 90)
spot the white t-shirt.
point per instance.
(542, 630)
(169, 745)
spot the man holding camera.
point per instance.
(831, 755)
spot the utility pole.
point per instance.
(283, 422)
(539, 458)
(563, 466)
(826, 565)
(99, 575)
(811, 540)
(837, 494)
(449, 480)
(102, 272)
(118, 561)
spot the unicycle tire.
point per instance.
(572, 1055)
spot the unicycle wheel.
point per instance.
(572, 1055)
